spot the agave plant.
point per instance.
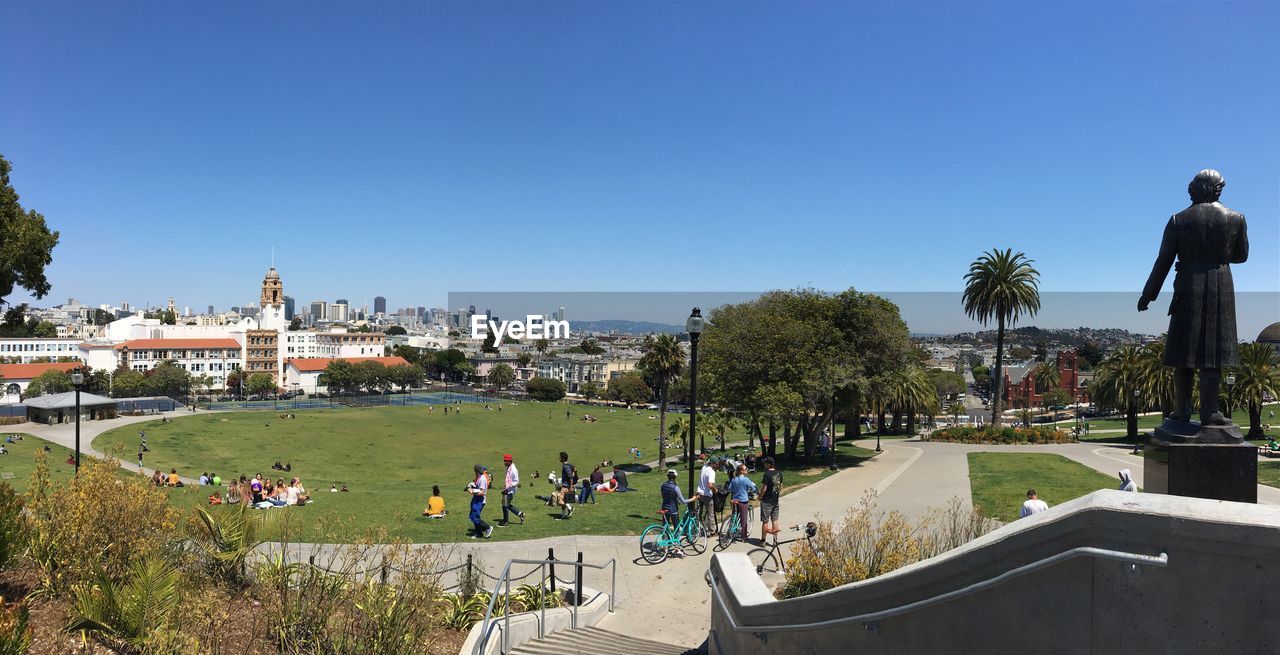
(131, 613)
(15, 634)
(460, 612)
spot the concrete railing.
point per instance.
(1088, 576)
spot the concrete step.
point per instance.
(595, 641)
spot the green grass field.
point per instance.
(999, 481)
(1240, 416)
(389, 457)
(16, 466)
(1269, 473)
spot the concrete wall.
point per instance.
(1219, 593)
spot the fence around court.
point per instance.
(366, 400)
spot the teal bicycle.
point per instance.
(658, 540)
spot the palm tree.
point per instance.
(501, 375)
(523, 359)
(724, 422)
(1257, 377)
(663, 360)
(679, 431)
(910, 391)
(956, 409)
(1156, 378)
(1046, 376)
(1002, 285)
(1118, 381)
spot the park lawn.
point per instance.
(17, 465)
(999, 481)
(389, 457)
(1269, 473)
(1240, 416)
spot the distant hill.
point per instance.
(1030, 335)
(624, 327)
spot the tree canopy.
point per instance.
(26, 243)
(546, 389)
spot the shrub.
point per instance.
(95, 522)
(866, 544)
(546, 389)
(15, 633)
(12, 531)
(227, 536)
(1002, 435)
(136, 615)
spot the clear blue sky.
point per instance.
(411, 149)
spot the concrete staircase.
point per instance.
(594, 641)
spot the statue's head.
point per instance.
(1206, 186)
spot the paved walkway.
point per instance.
(64, 434)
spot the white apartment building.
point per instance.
(25, 350)
(213, 357)
(575, 370)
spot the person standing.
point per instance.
(479, 489)
(740, 489)
(510, 485)
(1033, 505)
(769, 495)
(705, 493)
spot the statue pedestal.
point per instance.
(1201, 470)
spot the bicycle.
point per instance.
(731, 528)
(658, 539)
(771, 549)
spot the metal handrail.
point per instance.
(490, 624)
(1134, 559)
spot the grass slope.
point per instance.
(999, 481)
(16, 466)
(391, 456)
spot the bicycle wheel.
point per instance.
(651, 547)
(762, 557)
(695, 537)
(729, 531)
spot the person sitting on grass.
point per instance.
(174, 480)
(215, 499)
(233, 493)
(279, 494)
(297, 495)
(558, 498)
(620, 479)
(435, 504)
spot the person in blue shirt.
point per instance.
(740, 489)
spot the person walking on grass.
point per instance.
(479, 488)
(510, 485)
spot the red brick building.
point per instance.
(1020, 390)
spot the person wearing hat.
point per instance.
(479, 489)
(510, 485)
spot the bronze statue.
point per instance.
(1205, 238)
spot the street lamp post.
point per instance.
(694, 327)
(1137, 436)
(77, 379)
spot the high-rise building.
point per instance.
(319, 310)
(342, 301)
(288, 308)
(422, 313)
(338, 312)
(210, 312)
(380, 305)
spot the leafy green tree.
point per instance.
(465, 369)
(955, 410)
(295, 324)
(339, 377)
(1057, 398)
(449, 361)
(590, 390)
(1090, 352)
(945, 383)
(128, 384)
(405, 376)
(662, 362)
(523, 359)
(1001, 285)
(168, 379)
(51, 381)
(372, 375)
(26, 243)
(629, 389)
(489, 343)
(235, 381)
(45, 330)
(169, 317)
(1257, 377)
(260, 384)
(395, 330)
(541, 345)
(545, 389)
(98, 382)
(591, 347)
(501, 376)
(102, 317)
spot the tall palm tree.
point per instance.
(724, 422)
(663, 360)
(1257, 376)
(1001, 285)
(1046, 376)
(1156, 378)
(910, 391)
(1118, 382)
(679, 432)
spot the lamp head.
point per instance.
(1231, 379)
(77, 378)
(695, 323)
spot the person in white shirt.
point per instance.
(1033, 505)
(1126, 481)
(705, 493)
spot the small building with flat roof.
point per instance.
(54, 408)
